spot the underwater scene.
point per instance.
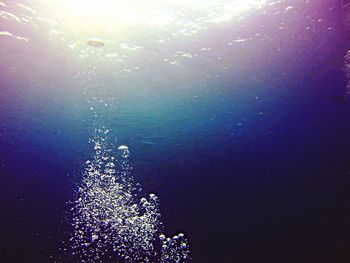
(204, 131)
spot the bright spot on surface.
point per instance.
(95, 42)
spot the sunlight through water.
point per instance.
(110, 218)
(115, 18)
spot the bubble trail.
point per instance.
(109, 218)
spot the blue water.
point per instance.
(252, 164)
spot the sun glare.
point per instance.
(113, 16)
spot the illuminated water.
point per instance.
(217, 123)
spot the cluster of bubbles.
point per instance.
(109, 216)
(110, 220)
(174, 249)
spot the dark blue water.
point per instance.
(252, 164)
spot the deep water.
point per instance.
(252, 163)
